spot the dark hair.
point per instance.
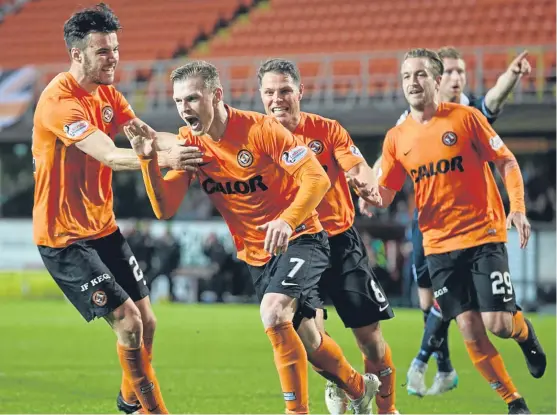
(281, 66)
(435, 61)
(99, 18)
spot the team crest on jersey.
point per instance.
(76, 129)
(245, 158)
(356, 151)
(449, 138)
(108, 114)
(295, 155)
(316, 146)
(99, 298)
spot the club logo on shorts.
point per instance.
(108, 114)
(99, 298)
(316, 146)
(356, 151)
(295, 155)
(76, 129)
(449, 138)
(245, 158)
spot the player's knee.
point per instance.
(371, 342)
(320, 320)
(425, 298)
(128, 325)
(149, 324)
(499, 323)
(471, 325)
(276, 309)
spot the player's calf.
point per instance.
(127, 401)
(134, 359)
(277, 312)
(485, 357)
(524, 334)
(378, 361)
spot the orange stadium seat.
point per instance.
(325, 26)
(34, 35)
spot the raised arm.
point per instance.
(498, 95)
(165, 194)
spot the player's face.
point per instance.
(453, 80)
(418, 83)
(100, 58)
(196, 103)
(281, 97)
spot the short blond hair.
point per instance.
(449, 52)
(205, 70)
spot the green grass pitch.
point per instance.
(217, 359)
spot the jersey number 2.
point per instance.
(137, 273)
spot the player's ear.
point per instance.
(218, 95)
(301, 92)
(76, 55)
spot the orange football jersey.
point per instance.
(447, 158)
(248, 175)
(73, 191)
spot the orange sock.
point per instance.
(520, 329)
(292, 366)
(386, 372)
(490, 364)
(126, 387)
(330, 363)
(136, 366)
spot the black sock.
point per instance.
(427, 348)
(426, 314)
(442, 338)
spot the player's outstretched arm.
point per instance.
(363, 180)
(165, 194)
(172, 152)
(101, 147)
(498, 95)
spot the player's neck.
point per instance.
(218, 127)
(425, 115)
(82, 80)
(294, 122)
